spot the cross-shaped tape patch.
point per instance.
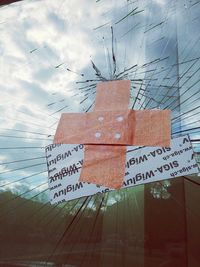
(107, 131)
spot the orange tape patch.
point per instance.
(153, 128)
(113, 95)
(131, 127)
(104, 165)
(99, 127)
(108, 129)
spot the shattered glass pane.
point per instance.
(52, 55)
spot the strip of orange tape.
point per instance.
(113, 95)
(104, 165)
(131, 127)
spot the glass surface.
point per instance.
(52, 55)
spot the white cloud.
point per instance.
(160, 2)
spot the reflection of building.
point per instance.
(197, 156)
(135, 230)
(162, 44)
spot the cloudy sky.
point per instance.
(46, 49)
